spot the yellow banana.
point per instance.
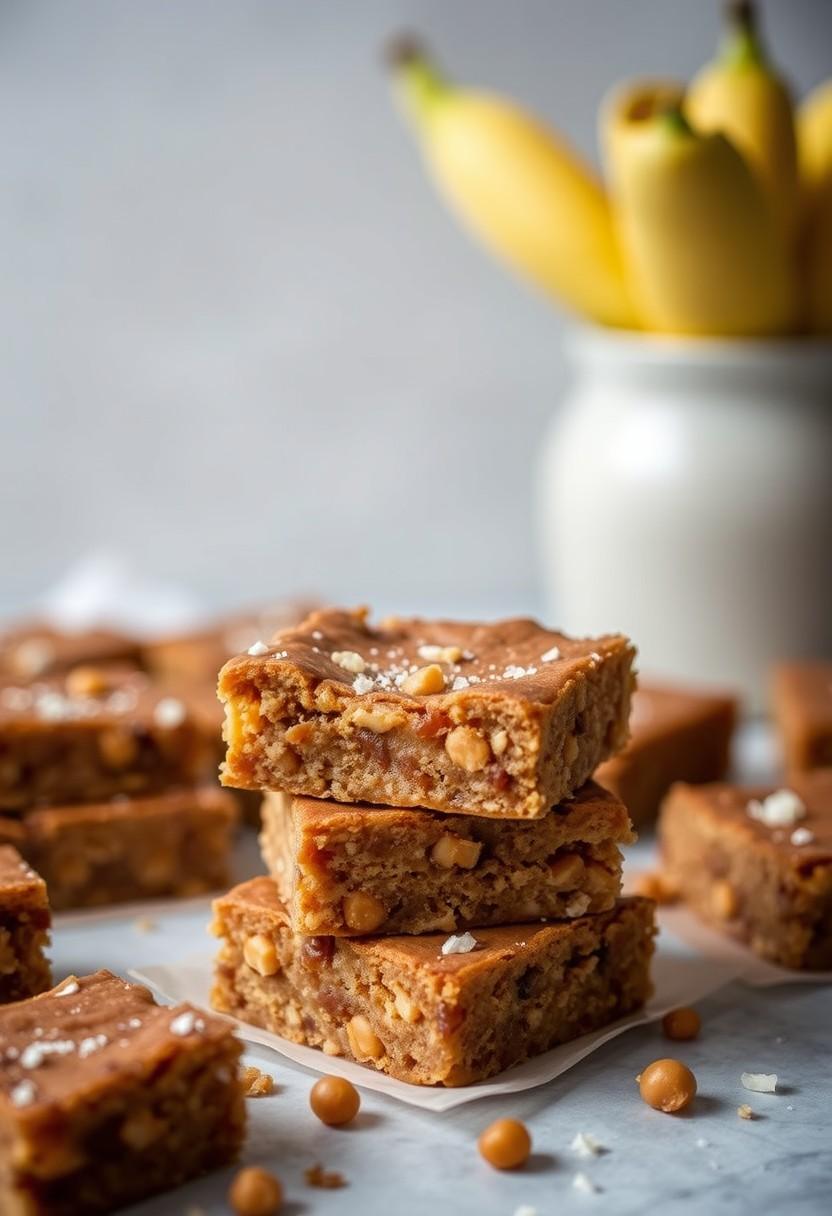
(701, 246)
(814, 130)
(741, 95)
(518, 188)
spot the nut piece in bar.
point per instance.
(431, 1010)
(93, 733)
(801, 704)
(503, 720)
(757, 864)
(355, 870)
(676, 734)
(24, 929)
(172, 844)
(106, 1098)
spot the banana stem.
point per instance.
(674, 121)
(419, 82)
(741, 44)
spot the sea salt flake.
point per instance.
(585, 1145)
(582, 1182)
(760, 1082)
(91, 1045)
(257, 649)
(462, 943)
(350, 660)
(186, 1023)
(69, 989)
(801, 836)
(459, 683)
(779, 809)
(551, 655)
(362, 684)
(703, 1143)
(23, 1094)
(169, 713)
(35, 1054)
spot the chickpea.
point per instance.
(255, 1192)
(667, 1085)
(506, 1144)
(681, 1024)
(334, 1100)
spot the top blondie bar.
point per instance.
(503, 719)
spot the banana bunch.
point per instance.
(716, 216)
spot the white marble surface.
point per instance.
(400, 1159)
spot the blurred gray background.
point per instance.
(243, 344)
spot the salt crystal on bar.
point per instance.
(23, 1094)
(585, 1145)
(69, 989)
(257, 649)
(464, 943)
(779, 809)
(760, 1082)
(551, 655)
(185, 1023)
(582, 1182)
(801, 836)
(363, 684)
(169, 713)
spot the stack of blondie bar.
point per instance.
(103, 773)
(443, 898)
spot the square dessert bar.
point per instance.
(352, 870)
(431, 1010)
(173, 844)
(93, 733)
(801, 704)
(503, 720)
(676, 734)
(199, 654)
(757, 863)
(24, 929)
(106, 1097)
(31, 650)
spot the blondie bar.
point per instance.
(757, 863)
(676, 734)
(503, 720)
(106, 1097)
(802, 710)
(431, 1010)
(352, 870)
(32, 650)
(92, 733)
(173, 844)
(24, 928)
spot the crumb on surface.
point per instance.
(328, 1180)
(745, 1111)
(256, 1083)
(759, 1082)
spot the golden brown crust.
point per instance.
(96, 1062)
(24, 928)
(122, 733)
(769, 885)
(801, 704)
(32, 650)
(403, 1006)
(177, 843)
(676, 734)
(518, 717)
(354, 870)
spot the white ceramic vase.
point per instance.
(685, 498)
